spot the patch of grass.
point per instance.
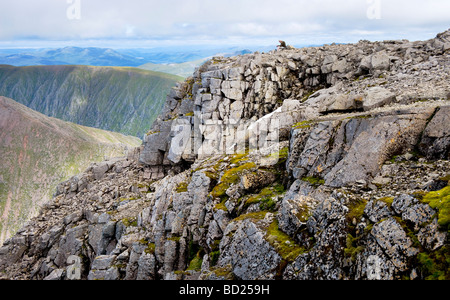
(356, 209)
(365, 116)
(435, 265)
(419, 195)
(128, 199)
(224, 272)
(221, 206)
(286, 247)
(253, 216)
(352, 249)
(152, 132)
(211, 175)
(239, 158)
(130, 222)
(279, 188)
(268, 204)
(195, 264)
(281, 156)
(174, 239)
(265, 197)
(304, 213)
(314, 181)
(265, 193)
(194, 251)
(182, 187)
(304, 124)
(387, 200)
(150, 249)
(214, 257)
(440, 200)
(229, 178)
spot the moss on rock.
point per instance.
(285, 246)
(230, 177)
(440, 200)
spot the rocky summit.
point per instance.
(327, 162)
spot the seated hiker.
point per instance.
(282, 45)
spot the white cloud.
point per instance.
(320, 20)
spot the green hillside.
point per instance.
(120, 99)
(39, 152)
(185, 69)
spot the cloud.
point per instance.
(299, 20)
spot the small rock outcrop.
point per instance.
(327, 163)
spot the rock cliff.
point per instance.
(329, 162)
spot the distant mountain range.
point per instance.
(185, 69)
(111, 57)
(39, 152)
(120, 99)
(69, 56)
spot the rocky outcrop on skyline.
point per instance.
(327, 162)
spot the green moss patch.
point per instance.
(182, 187)
(440, 200)
(314, 181)
(356, 209)
(239, 158)
(195, 264)
(256, 216)
(282, 154)
(130, 222)
(304, 124)
(150, 249)
(229, 178)
(279, 158)
(266, 197)
(352, 249)
(387, 200)
(285, 246)
(435, 265)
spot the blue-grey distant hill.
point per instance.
(93, 56)
(68, 56)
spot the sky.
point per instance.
(150, 23)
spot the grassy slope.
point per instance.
(39, 152)
(119, 99)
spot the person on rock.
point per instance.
(282, 45)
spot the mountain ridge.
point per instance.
(121, 99)
(320, 163)
(71, 55)
(38, 152)
(96, 56)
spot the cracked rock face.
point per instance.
(259, 261)
(327, 163)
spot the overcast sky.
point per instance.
(134, 23)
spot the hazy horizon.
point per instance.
(244, 23)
